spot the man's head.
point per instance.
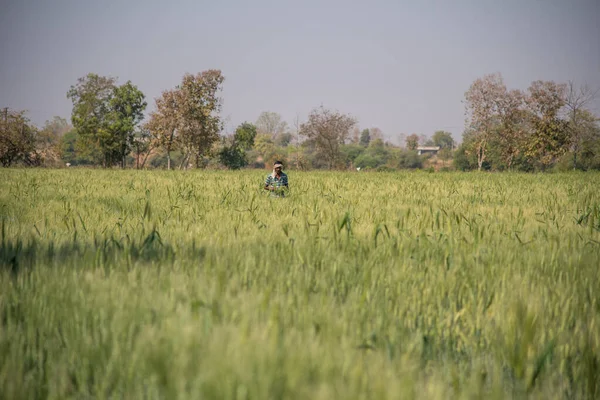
(278, 167)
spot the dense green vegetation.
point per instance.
(548, 126)
(196, 284)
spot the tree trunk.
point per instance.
(146, 157)
(184, 161)
(480, 155)
(169, 149)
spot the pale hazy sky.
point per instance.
(402, 66)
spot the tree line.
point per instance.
(549, 125)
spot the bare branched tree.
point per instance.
(270, 123)
(329, 129)
(578, 100)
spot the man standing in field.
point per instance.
(277, 182)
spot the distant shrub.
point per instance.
(409, 159)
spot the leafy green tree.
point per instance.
(365, 138)
(264, 145)
(409, 160)
(466, 155)
(67, 147)
(464, 160)
(17, 139)
(508, 126)
(365, 161)
(312, 156)
(377, 147)
(374, 156)
(589, 141)
(549, 136)
(233, 155)
(126, 107)
(73, 152)
(351, 152)
(244, 136)
(443, 139)
(91, 106)
(105, 116)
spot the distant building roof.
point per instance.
(429, 148)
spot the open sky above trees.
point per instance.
(403, 67)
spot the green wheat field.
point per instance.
(198, 285)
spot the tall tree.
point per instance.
(512, 119)
(200, 122)
(578, 99)
(233, 155)
(105, 116)
(17, 139)
(91, 97)
(443, 139)
(270, 123)
(412, 141)
(365, 137)
(549, 136)
(127, 107)
(589, 137)
(164, 122)
(48, 140)
(244, 136)
(481, 109)
(329, 129)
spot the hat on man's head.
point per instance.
(278, 164)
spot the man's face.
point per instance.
(278, 170)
